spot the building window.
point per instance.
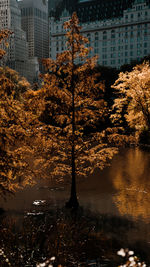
(104, 56)
(113, 48)
(145, 44)
(145, 51)
(113, 62)
(139, 45)
(139, 38)
(131, 46)
(145, 31)
(131, 33)
(138, 33)
(113, 34)
(131, 53)
(104, 35)
(96, 36)
(104, 49)
(113, 42)
(131, 40)
(104, 62)
(138, 52)
(104, 43)
(96, 50)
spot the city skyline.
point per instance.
(117, 37)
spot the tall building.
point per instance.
(17, 53)
(118, 30)
(34, 14)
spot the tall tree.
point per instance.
(71, 98)
(133, 90)
(15, 127)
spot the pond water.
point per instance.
(116, 202)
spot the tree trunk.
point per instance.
(73, 202)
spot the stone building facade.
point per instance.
(118, 31)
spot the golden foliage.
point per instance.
(71, 98)
(15, 132)
(4, 35)
(133, 89)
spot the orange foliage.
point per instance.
(16, 124)
(4, 35)
(133, 89)
(72, 99)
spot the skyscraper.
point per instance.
(17, 55)
(34, 21)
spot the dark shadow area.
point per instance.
(75, 238)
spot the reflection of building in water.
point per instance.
(118, 31)
(132, 184)
(17, 53)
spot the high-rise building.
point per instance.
(118, 30)
(17, 53)
(34, 14)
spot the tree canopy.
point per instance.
(133, 90)
(15, 128)
(72, 98)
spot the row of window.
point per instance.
(29, 11)
(113, 55)
(126, 54)
(114, 62)
(139, 14)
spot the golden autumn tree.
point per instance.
(133, 90)
(15, 126)
(71, 98)
(4, 35)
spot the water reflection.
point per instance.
(118, 216)
(132, 183)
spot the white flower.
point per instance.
(52, 258)
(41, 264)
(131, 258)
(121, 252)
(131, 252)
(132, 263)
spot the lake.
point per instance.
(115, 202)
